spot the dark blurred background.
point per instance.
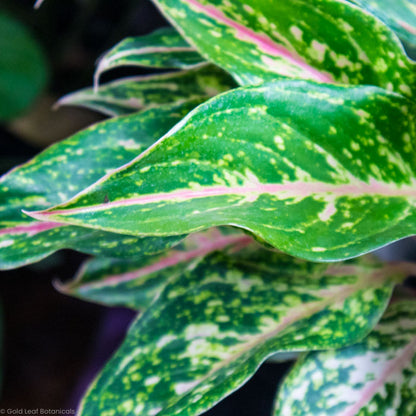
(54, 345)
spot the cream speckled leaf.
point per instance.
(135, 283)
(320, 40)
(137, 93)
(216, 322)
(400, 15)
(376, 377)
(63, 170)
(164, 48)
(304, 166)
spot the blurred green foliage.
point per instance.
(23, 68)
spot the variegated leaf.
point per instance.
(63, 170)
(132, 94)
(400, 15)
(135, 283)
(320, 40)
(218, 320)
(376, 377)
(304, 166)
(164, 48)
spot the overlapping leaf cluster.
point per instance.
(187, 199)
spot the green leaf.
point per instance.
(23, 68)
(132, 94)
(164, 48)
(375, 377)
(400, 15)
(303, 166)
(327, 41)
(61, 172)
(218, 320)
(135, 283)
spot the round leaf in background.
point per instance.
(23, 68)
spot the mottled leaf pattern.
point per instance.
(321, 171)
(320, 40)
(135, 283)
(164, 48)
(214, 324)
(376, 377)
(65, 169)
(132, 94)
(400, 15)
(304, 166)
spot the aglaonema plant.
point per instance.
(232, 200)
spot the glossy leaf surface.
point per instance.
(23, 68)
(374, 377)
(328, 41)
(164, 48)
(304, 166)
(63, 170)
(400, 15)
(132, 94)
(214, 324)
(135, 283)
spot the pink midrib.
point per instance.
(31, 229)
(172, 260)
(302, 189)
(296, 315)
(263, 42)
(398, 364)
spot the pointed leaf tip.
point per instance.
(295, 162)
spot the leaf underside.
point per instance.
(321, 171)
(163, 48)
(400, 15)
(129, 95)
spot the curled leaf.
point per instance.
(164, 48)
(129, 95)
(400, 15)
